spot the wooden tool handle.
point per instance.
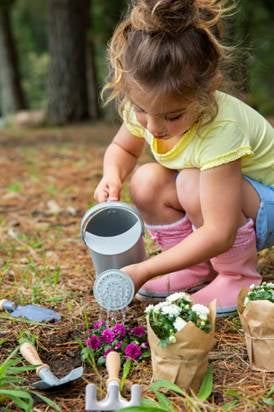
(6, 304)
(29, 352)
(113, 364)
(2, 304)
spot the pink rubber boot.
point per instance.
(236, 268)
(192, 278)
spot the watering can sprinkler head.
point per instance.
(113, 290)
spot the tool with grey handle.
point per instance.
(113, 399)
(48, 379)
(31, 312)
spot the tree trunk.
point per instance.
(11, 93)
(93, 92)
(68, 95)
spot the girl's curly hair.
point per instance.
(169, 47)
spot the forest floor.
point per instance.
(47, 178)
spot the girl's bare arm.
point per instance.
(119, 160)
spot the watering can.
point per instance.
(113, 233)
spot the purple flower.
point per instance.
(93, 342)
(133, 351)
(119, 330)
(138, 331)
(108, 336)
(107, 351)
(99, 324)
(118, 345)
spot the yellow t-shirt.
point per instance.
(238, 131)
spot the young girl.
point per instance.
(212, 185)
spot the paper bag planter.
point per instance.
(257, 319)
(184, 362)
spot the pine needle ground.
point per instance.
(47, 177)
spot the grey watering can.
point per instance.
(113, 233)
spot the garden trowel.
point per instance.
(48, 379)
(30, 312)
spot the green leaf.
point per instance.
(146, 354)
(15, 370)
(206, 386)
(101, 361)
(126, 369)
(26, 406)
(270, 392)
(15, 393)
(7, 364)
(150, 402)
(55, 299)
(166, 385)
(268, 401)
(229, 406)
(48, 401)
(233, 393)
(164, 402)
(9, 380)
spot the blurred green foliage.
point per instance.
(29, 23)
(255, 35)
(251, 29)
(105, 15)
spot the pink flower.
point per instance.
(138, 331)
(93, 342)
(118, 345)
(119, 330)
(144, 345)
(133, 351)
(99, 324)
(108, 336)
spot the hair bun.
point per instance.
(169, 16)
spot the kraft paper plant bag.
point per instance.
(257, 319)
(184, 362)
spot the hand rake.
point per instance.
(113, 399)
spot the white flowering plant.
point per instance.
(171, 316)
(264, 291)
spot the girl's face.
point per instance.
(164, 117)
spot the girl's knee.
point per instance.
(147, 182)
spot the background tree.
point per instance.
(11, 93)
(67, 94)
(79, 32)
(253, 32)
(30, 28)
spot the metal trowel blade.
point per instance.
(72, 376)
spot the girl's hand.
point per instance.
(136, 273)
(108, 189)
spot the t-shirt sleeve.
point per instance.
(131, 122)
(224, 144)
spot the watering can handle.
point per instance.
(29, 352)
(113, 364)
